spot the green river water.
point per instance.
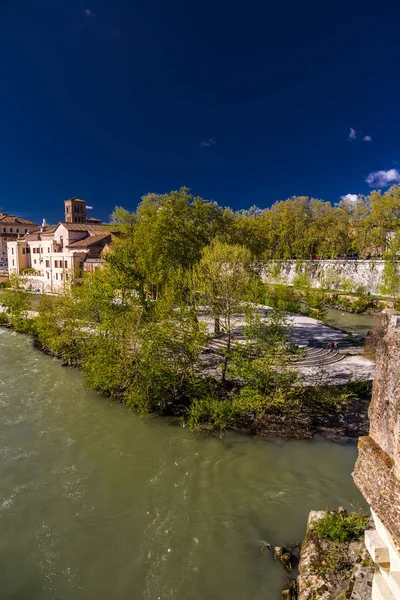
(97, 504)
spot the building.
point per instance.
(377, 471)
(11, 227)
(49, 257)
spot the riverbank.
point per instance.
(312, 406)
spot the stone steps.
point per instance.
(329, 360)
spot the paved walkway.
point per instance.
(320, 364)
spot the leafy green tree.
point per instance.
(17, 304)
(264, 359)
(171, 231)
(391, 272)
(221, 281)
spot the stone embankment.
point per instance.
(328, 273)
(377, 471)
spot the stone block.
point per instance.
(377, 548)
(380, 590)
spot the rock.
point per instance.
(264, 546)
(284, 555)
(289, 592)
(330, 570)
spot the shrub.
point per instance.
(341, 526)
(210, 413)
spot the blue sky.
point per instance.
(243, 102)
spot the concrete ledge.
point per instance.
(377, 548)
(380, 590)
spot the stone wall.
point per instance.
(377, 471)
(328, 273)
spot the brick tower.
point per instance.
(75, 210)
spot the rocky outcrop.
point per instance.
(330, 570)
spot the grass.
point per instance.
(341, 527)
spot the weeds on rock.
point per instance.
(341, 526)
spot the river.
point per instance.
(96, 503)
(351, 322)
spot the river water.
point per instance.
(351, 322)
(97, 504)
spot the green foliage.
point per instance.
(302, 281)
(391, 273)
(171, 231)
(221, 282)
(283, 298)
(210, 414)
(341, 527)
(16, 304)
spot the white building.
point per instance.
(50, 257)
(10, 228)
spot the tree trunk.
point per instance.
(217, 325)
(226, 358)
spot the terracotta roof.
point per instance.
(93, 229)
(13, 220)
(75, 200)
(91, 240)
(34, 235)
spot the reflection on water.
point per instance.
(96, 503)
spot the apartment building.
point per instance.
(50, 257)
(11, 227)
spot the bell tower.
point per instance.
(75, 210)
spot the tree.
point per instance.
(171, 231)
(17, 304)
(391, 271)
(221, 281)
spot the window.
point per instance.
(48, 250)
(47, 264)
(28, 250)
(61, 276)
(56, 264)
(23, 250)
(10, 229)
(41, 250)
(34, 250)
(34, 261)
(4, 229)
(48, 277)
(65, 264)
(56, 275)
(67, 209)
(13, 262)
(17, 230)
(12, 250)
(26, 231)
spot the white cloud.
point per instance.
(367, 138)
(350, 197)
(89, 207)
(352, 134)
(383, 178)
(89, 13)
(207, 143)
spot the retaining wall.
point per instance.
(328, 273)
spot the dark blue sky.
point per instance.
(110, 100)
